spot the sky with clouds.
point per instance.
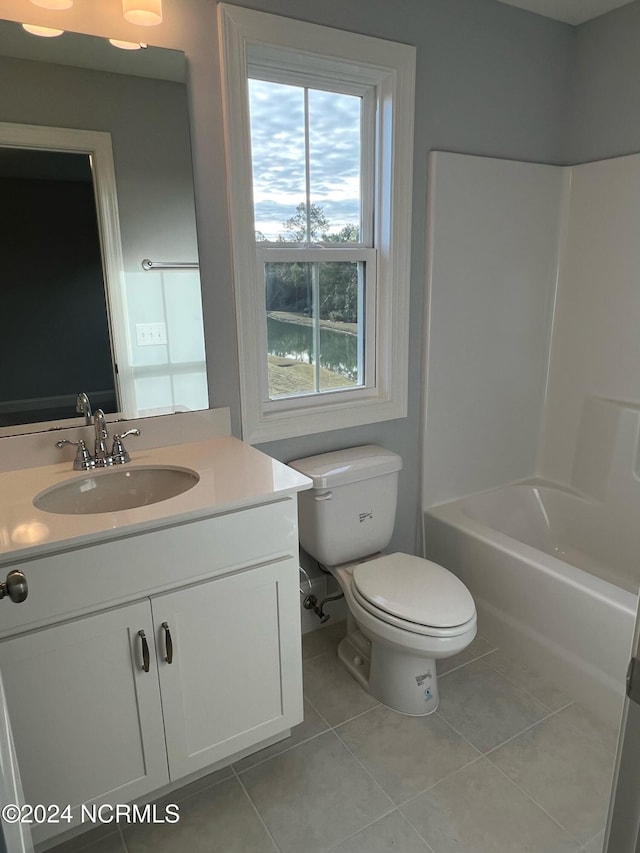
(278, 149)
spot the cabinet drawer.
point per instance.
(121, 570)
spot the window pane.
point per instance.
(314, 326)
(334, 162)
(281, 115)
(341, 341)
(278, 156)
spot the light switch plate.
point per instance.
(151, 334)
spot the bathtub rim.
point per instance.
(451, 513)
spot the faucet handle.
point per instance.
(118, 453)
(83, 461)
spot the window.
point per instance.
(319, 133)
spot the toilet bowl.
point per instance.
(390, 655)
(404, 612)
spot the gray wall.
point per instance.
(491, 80)
(149, 125)
(604, 118)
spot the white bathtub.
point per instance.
(554, 579)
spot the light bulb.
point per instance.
(145, 13)
(44, 32)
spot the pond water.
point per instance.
(338, 350)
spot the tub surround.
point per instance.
(595, 348)
(164, 639)
(545, 387)
(491, 280)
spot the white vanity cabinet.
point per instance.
(234, 678)
(218, 603)
(86, 719)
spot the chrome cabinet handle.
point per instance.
(15, 586)
(145, 651)
(168, 643)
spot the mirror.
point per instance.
(95, 153)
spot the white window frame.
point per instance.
(338, 55)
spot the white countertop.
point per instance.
(232, 475)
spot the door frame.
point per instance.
(97, 145)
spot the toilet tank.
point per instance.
(350, 511)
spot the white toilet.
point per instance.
(404, 612)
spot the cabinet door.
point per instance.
(236, 674)
(86, 718)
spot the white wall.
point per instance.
(496, 344)
(172, 376)
(596, 340)
(493, 232)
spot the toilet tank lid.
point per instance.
(348, 466)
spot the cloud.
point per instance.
(278, 148)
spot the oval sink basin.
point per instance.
(116, 489)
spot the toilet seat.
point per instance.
(413, 594)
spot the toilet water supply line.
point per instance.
(310, 601)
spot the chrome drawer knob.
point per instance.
(15, 586)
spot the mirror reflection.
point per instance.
(78, 312)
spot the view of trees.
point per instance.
(289, 284)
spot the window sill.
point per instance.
(261, 426)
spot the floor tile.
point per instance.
(405, 754)
(312, 725)
(100, 840)
(530, 680)
(480, 646)
(220, 819)
(565, 763)
(477, 648)
(323, 640)
(392, 832)
(314, 795)
(484, 707)
(447, 664)
(477, 810)
(334, 693)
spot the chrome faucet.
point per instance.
(83, 407)
(101, 454)
(102, 457)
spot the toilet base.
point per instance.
(405, 683)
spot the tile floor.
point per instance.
(508, 764)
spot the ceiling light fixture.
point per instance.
(58, 5)
(127, 45)
(44, 32)
(145, 13)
